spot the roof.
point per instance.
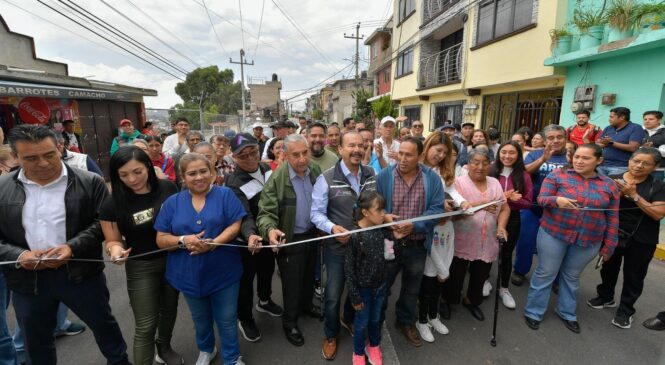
(386, 29)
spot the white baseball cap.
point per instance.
(387, 119)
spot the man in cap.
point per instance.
(257, 129)
(449, 129)
(386, 143)
(279, 130)
(467, 131)
(73, 141)
(247, 181)
(127, 135)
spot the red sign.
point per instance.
(34, 110)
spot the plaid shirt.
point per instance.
(580, 227)
(409, 201)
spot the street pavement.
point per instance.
(468, 342)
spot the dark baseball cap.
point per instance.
(280, 124)
(447, 125)
(242, 140)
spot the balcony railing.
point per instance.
(432, 8)
(441, 68)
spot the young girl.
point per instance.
(364, 266)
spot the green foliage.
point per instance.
(317, 114)
(384, 106)
(586, 17)
(622, 14)
(557, 33)
(363, 107)
(654, 11)
(211, 88)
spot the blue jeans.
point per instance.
(19, 342)
(556, 256)
(368, 318)
(410, 260)
(611, 170)
(7, 351)
(526, 244)
(220, 307)
(333, 294)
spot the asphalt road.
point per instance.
(468, 342)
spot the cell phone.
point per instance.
(621, 181)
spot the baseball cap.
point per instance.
(125, 121)
(387, 119)
(229, 134)
(469, 123)
(279, 124)
(257, 125)
(242, 140)
(447, 125)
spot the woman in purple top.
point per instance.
(517, 188)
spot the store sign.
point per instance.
(34, 110)
(48, 91)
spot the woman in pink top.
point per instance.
(476, 245)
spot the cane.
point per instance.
(502, 241)
(321, 309)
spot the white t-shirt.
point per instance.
(393, 147)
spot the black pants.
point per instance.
(89, 300)
(513, 228)
(636, 258)
(478, 270)
(296, 264)
(428, 300)
(262, 266)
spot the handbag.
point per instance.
(625, 236)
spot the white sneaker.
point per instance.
(425, 332)
(205, 358)
(487, 289)
(507, 298)
(239, 361)
(438, 326)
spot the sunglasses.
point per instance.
(417, 126)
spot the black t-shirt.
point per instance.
(628, 218)
(139, 217)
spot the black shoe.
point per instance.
(166, 355)
(313, 312)
(294, 336)
(622, 321)
(600, 303)
(249, 330)
(444, 310)
(270, 308)
(654, 324)
(532, 323)
(573, 326)
(517, 279)
(475, 311)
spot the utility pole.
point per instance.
(357, 37)
(242, 63)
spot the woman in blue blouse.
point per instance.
(207, 275)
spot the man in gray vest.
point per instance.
(334, 195)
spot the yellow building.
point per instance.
(478, 61)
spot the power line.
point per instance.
(242, 27)
(322, 82)
(293, 23)
(109, 28)
(258, 36)
(169, 32)
(213, 27)
(110, 41)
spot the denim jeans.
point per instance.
(333, 294)
(19, 342)
(526, 244)
(556, 256)
(410, 260)
(89, 300)
(7, 351)
(368, 318)
(154, 303)
(220, 307)
(611, 170)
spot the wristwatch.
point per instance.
(636, 198)
(181, 242)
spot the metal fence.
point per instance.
(442, 67)
(208, 123)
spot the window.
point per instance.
(404, 62)
(375, 49)
(497, 18)
(443, 112)
(386, 75)
(406, 7)
(411, 113)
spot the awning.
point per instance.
(8, 88)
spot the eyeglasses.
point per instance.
(247, 155)
(417, 126)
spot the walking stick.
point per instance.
(502, 241)
(321, 308)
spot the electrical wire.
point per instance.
(213, 28)
(123, 36)
(110, 41)
(322, 82)
(258, 36)
(242, 27)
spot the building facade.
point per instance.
(477, 61)
(380, 59)
(342, 99)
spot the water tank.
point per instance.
(274, 77)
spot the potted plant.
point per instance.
(561, 40)
(621, 17)
(591, 24)
(650, 17)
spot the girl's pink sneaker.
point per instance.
(374, 355)
(358, 359)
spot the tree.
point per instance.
(317, 114)
(363, 107)
(383, 107)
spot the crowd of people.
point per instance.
(208, 218)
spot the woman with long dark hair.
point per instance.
(517, 188)
(130, 212)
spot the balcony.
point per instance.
(433, 8)
(442, 68)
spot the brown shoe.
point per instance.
(329, 349)
(411, 334)
(348, 325)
